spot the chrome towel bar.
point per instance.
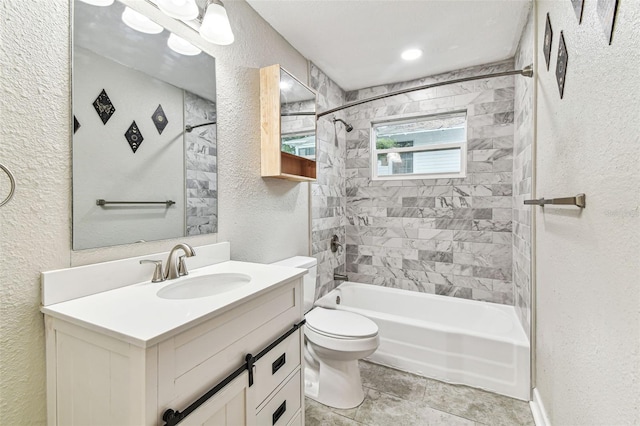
(102, 202)
(579, 200)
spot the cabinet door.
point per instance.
(229, 407)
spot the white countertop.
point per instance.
(135, 313)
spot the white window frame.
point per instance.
(440, 147)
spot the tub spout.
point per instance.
(340, 277)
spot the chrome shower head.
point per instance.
(347, 127)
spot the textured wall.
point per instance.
(35, 144)
(446, 236)
(588, 268)
(522, 179)
(328, 200)
(201, 157)
(35, 226)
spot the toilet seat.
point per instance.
(340, 324)
(341, 331)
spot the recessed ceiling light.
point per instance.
(139, 22)
(411, 54)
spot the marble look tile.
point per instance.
(391, 381)
(388, 410)
(316, 414)
(477, 405)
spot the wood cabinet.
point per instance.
(94, 378)
(288, 126)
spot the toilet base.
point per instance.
(333, 383)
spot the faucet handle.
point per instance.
(157, 273)
(182, 266)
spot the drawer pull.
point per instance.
(278, 363)
(279, 412)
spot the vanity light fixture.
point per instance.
(411, 54)
(182, 46)
(215, 26)
(185, 10)
(139, 22)
(98, 2)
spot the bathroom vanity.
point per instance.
(127, 356)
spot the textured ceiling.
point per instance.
(358, 42)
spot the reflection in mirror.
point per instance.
(297, 117)
(144, 142)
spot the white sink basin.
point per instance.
(204, 286)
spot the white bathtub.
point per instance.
(454, 340)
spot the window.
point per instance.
(300, 144)
(420, 148)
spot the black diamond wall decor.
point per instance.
(134, 137)
(104, 107)
(76, 124)
(578, 5)
(159, 119)
(561, 65)
(607, 13)
(548, 38)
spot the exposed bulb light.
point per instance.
(411, 54)
(185, 10)
(139, 22)
(98, 2)
(215, 24)
(182, 46)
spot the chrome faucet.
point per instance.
(176, 267)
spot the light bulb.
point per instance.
(215, 25)
(182, 46)
(139, 22)
(185, 10)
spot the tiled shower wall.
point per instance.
(444, 236)
(328, 201)
(201, 166)
(522, 175)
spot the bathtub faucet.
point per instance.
(340, 277)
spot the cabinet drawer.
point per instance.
(283, 406)
(276, 366)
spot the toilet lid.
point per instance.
(340, 323)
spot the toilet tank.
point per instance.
(309, 280)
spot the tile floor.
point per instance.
(395, 398)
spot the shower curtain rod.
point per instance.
(526, 72)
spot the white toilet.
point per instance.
(334, 342)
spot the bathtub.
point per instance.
(454, 340)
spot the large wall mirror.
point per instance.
(297, 117)
(144, 131)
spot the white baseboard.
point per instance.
(537, 409)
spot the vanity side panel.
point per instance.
(90, 378)
(51, 362)
(93, 379)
